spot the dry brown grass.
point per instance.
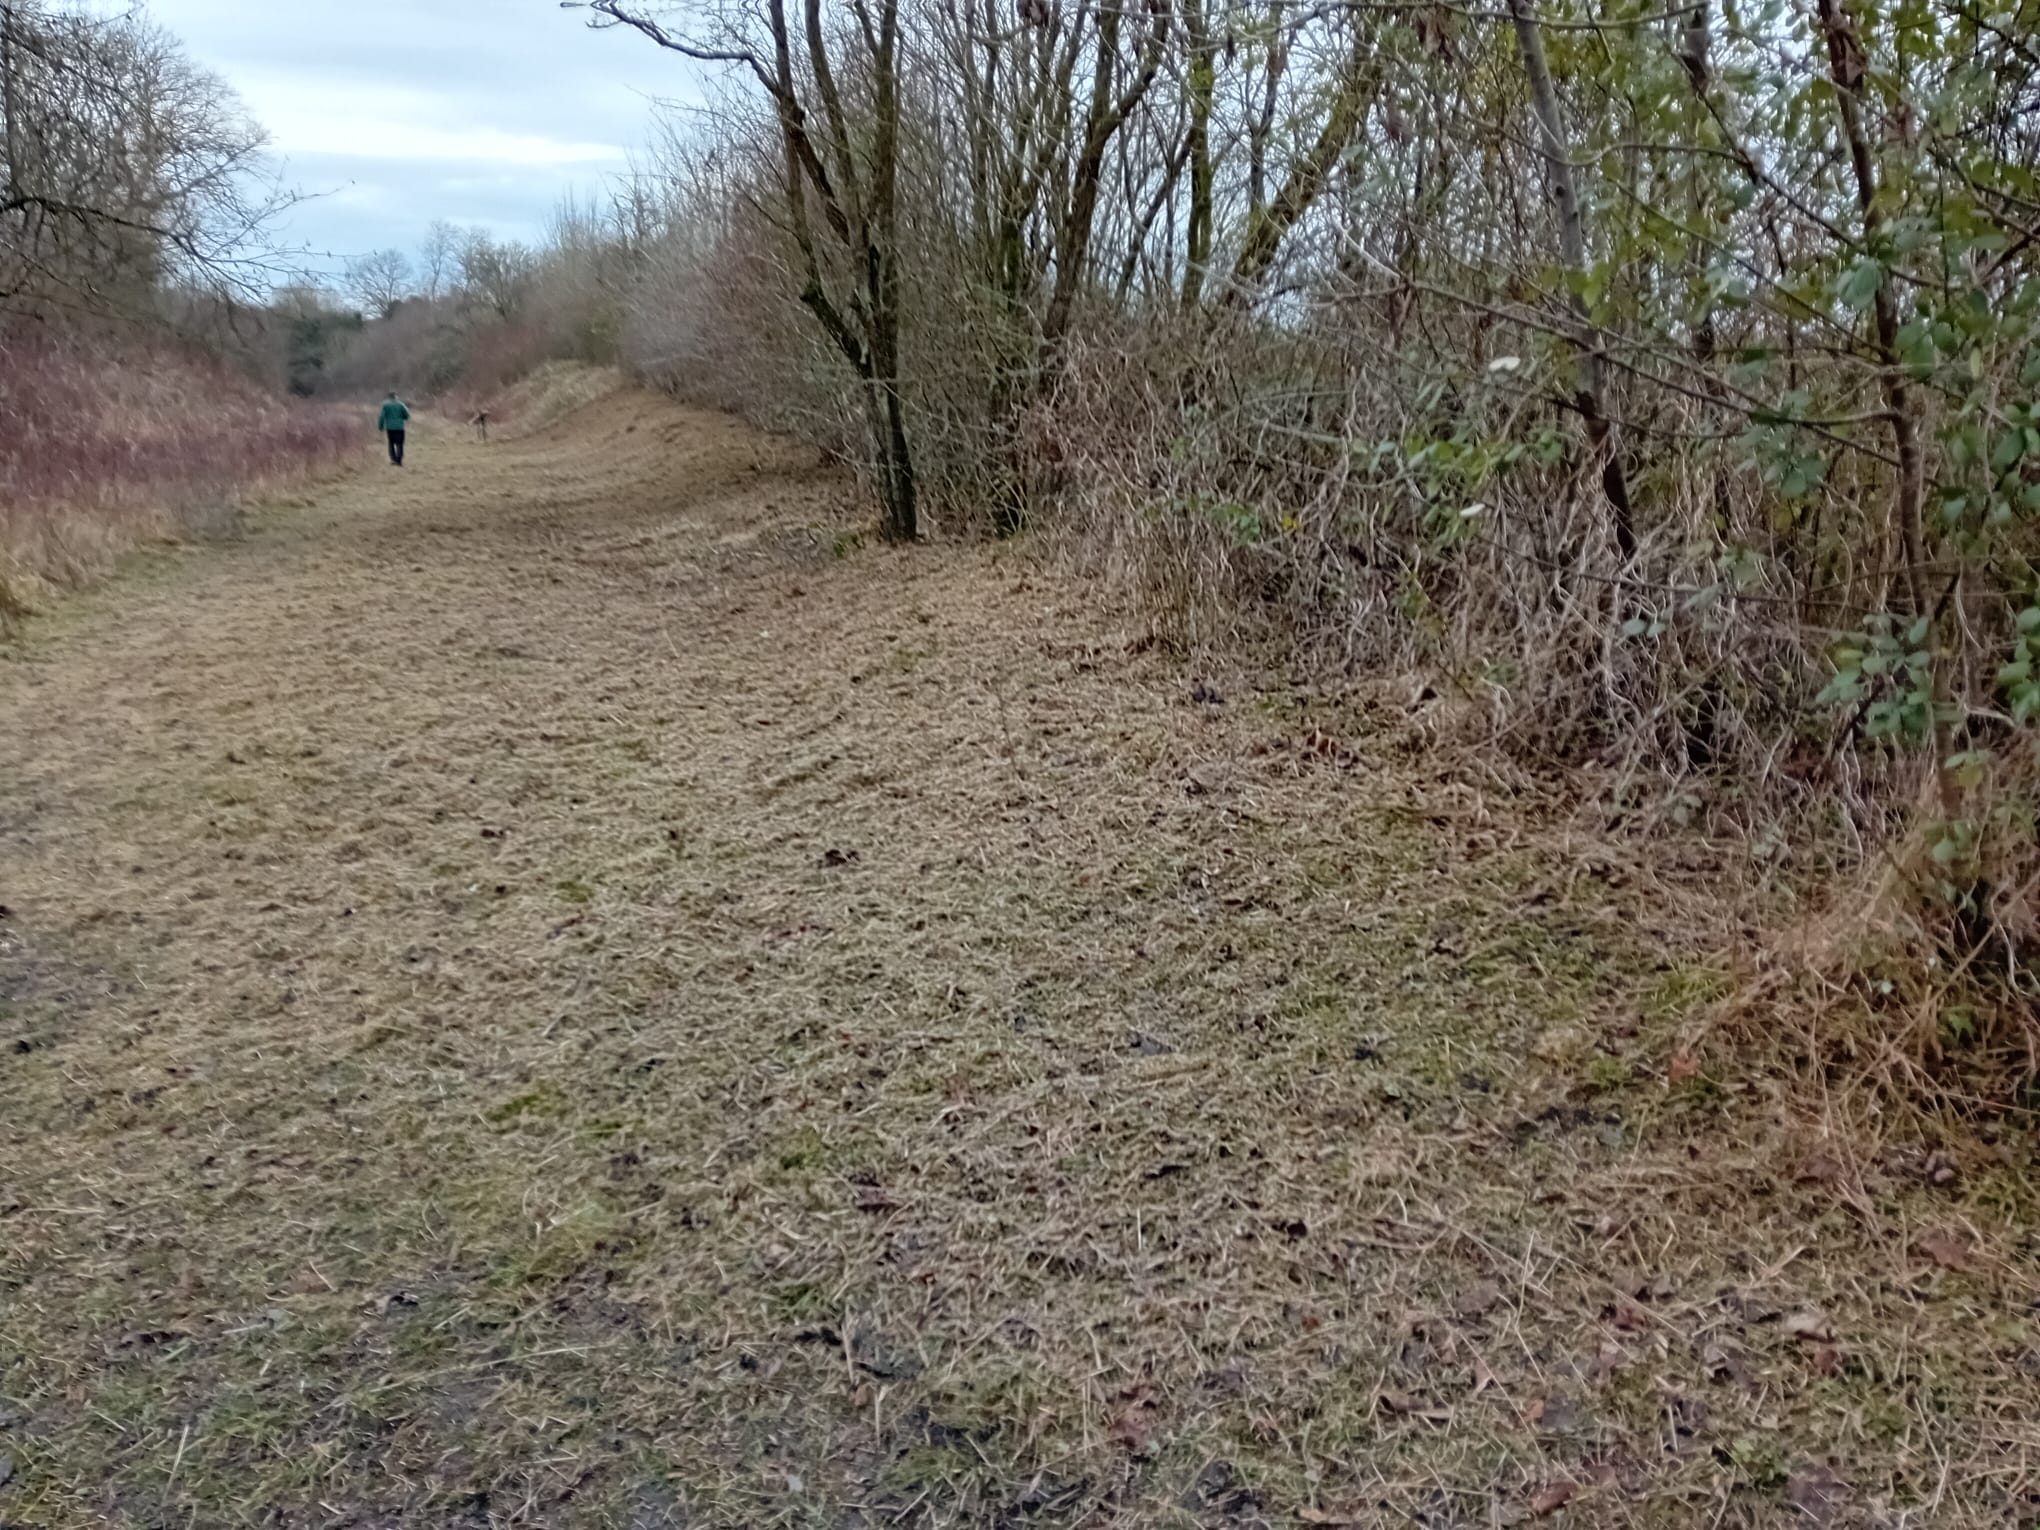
(563, 987)
(106, 446)
(550, 393)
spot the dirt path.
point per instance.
(558, 987)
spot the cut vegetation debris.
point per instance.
(560, 988)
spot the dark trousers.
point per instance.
(396, 446)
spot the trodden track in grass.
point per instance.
(560, 986)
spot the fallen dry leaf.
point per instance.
(1683, 1068)
(1817, 1493)
(149, 1338)
(1483, 1377)
(1135, 1425)
(1810, 1324)
(1687, 1415)
(1722, 1363)
(1654, 1288)
(1477, 1300)
(1818, 1169)
(1317, 741)
(1552, 1498)
(1950, 1250)
(1413, 1407)
(1610, 1360)
(1134, 1429)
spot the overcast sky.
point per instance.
(478, 111)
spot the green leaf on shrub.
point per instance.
(1857, 289)
(1845, 687)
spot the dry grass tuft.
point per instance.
(571, 988)
(1902, 1003)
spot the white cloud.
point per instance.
(371, 139)
(392, 113)
(306, 115)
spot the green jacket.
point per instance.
(393, 415)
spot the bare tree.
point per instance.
(438, 257)
(1351, 93)
(128, 170)
(494, 274)
(379, 281)
(834, 98)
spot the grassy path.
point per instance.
(560, 988)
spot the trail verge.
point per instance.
(559, 985)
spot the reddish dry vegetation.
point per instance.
(560, 987)
(103, 446)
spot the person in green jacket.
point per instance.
(392, 422)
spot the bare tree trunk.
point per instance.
(1106, 115)
(1202, 86)
(1308, 177)
(1589, 390)
(1695, 49)
(1907, 589)
(1262, 127)
(9, 107)
(1846, 67)
(902, 521)
(859, 205)
(1162, 204)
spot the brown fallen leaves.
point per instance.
(1134, 1426)
(1946, 1247)
(1553, 1497)
(1477, 1300)
(1816, 1492)
(1810, 1324)
(1405, 1405)
(1940, 1170)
